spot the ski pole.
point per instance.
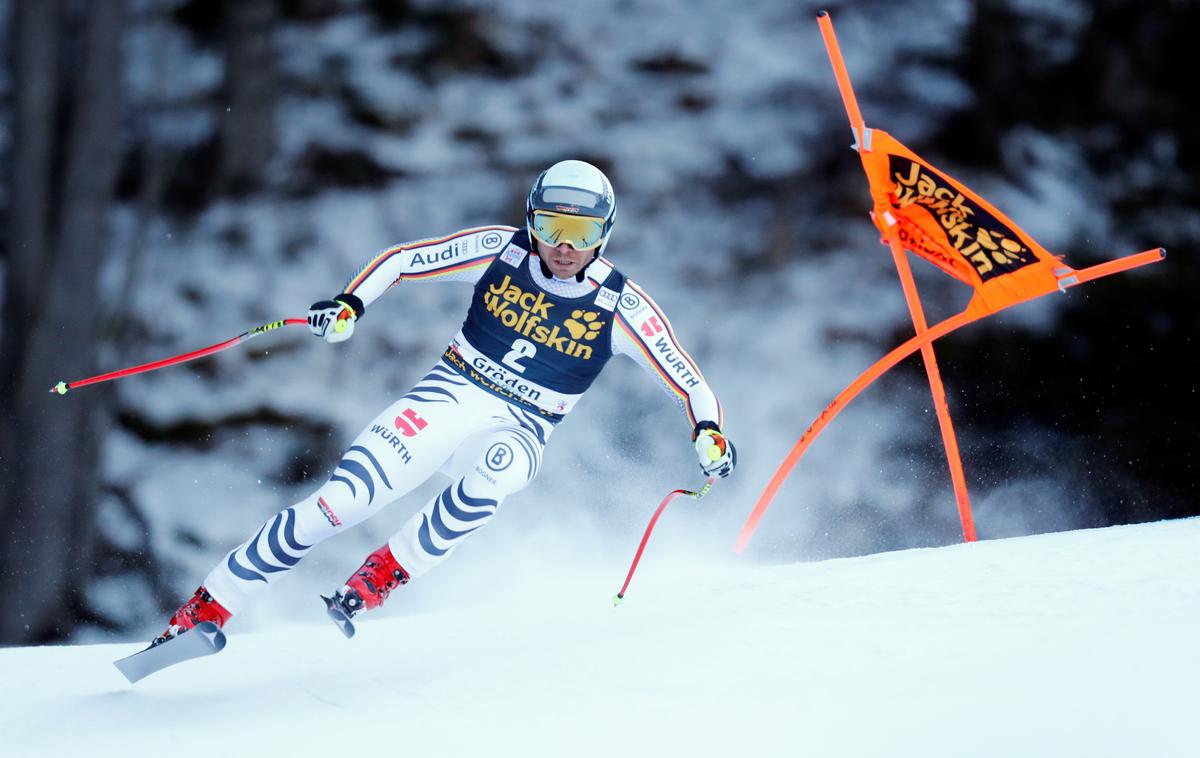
(620, 596)
(62, 387)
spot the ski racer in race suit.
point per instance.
(547, 313)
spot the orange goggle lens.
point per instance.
(580, 232)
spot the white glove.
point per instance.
(333, 320)
(714, 450)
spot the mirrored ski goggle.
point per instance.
(580, 232)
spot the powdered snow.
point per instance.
(1070, 644)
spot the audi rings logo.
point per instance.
(630, 301)
(491, 241)
(499, 457)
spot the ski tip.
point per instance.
(132, 676)
(1162, 252)
(822, 14)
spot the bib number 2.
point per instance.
(521, 349)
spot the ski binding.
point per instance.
(334, 609)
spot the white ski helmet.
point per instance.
(572, 202)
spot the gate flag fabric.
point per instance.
(943, 221)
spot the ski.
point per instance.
(204, 639)
(334, 609)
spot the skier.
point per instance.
(547, 313)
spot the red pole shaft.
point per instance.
(62, 387)
(646, 538)
(650, 528)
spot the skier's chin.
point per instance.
(563, 269)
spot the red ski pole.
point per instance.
(620, 596)
(62, 387)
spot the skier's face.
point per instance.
(564, 261)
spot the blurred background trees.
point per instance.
(66, 107)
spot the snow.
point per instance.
(1069, 644)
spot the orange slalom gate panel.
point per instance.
(938, 218)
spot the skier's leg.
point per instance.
(493, 465)
(397, 451)
(501, 462)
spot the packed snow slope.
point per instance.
(1070, 644)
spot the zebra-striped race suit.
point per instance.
(528, 350)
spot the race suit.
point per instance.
(530, 346)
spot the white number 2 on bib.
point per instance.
(521, 349)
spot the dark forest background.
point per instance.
(1115, 379)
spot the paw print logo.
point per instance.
(1003, 250)
(584, 324)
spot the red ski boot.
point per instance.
(372, 583)
(202, 607)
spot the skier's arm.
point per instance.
(459, 257)
(642, 332)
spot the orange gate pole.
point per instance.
(937, 389)
(897, 354)
(864, 380)
(910, 288)
(842, 76)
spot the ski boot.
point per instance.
(202, 607)
(372, 583)
(366, 589)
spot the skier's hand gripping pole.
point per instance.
(62, 387)
(620, 596)
(333, 320)
(717, 455)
